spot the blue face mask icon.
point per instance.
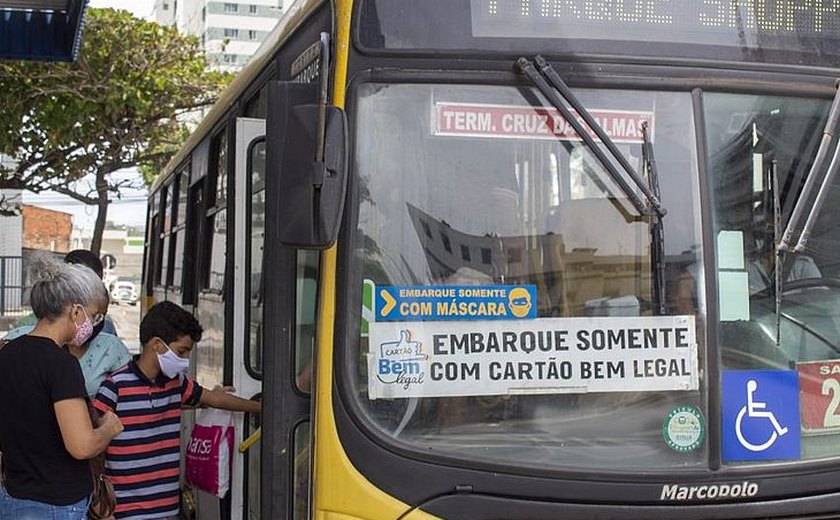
(519, 302)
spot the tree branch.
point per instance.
(64, 190)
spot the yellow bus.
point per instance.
(497, 259)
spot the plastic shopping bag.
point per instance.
(209, 452)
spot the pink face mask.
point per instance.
(83, 331)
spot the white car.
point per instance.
(124, 292)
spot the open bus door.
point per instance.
(247, 319)
(275, 334)
(290, 282)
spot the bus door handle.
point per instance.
(250, 441)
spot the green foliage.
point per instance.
(119, 105)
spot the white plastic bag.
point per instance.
(209, 452)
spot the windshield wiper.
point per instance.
(558, 94)
(657, 235)
(829, 132)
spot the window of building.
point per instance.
(231, 33)
(446, 244)
(231, 8)
(252, 9)
(230, 58)
(165, 7)
(252, 35)
(426, 228)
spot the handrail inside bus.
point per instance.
(557, 93)
(830, 130)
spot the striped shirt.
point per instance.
(143, 461)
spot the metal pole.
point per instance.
(3, 286)
(818, 203)
(780, 254)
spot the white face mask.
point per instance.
(171, 364)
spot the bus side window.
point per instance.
(256, 280)
(179, 227)
(216, 231)
(306, 302)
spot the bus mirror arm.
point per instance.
(328, 179)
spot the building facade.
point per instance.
(125, 248)
(46, 229)
(230, 31)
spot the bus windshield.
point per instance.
(506, 283)
(475, 186)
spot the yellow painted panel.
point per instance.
(340, 491)
(331, 515)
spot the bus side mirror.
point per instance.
(310, 189)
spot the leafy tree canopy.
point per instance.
(121, 104)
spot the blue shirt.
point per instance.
(105, 354)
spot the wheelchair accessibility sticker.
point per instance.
(761, 415)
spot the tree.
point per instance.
(69, 126)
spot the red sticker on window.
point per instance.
(819, 395)
(518, 122)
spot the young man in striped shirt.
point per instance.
(147, 394)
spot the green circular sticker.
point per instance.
(684, 429)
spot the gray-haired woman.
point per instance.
(46, 434)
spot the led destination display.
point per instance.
(741, 23)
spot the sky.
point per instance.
(131, 210)
(140, 8)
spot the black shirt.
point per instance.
(34, 374)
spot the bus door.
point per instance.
(292, 278)
(248, 318)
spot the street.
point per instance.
(127, 321)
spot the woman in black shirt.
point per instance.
(46, 435)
